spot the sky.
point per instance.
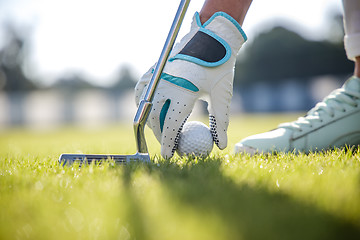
(95, 37)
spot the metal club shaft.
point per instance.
(145, 104)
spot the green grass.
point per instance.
(287, 196)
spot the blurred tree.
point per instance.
(336, 30)
(72, 82)
(12, 77)
(125, 80)
(280, 54)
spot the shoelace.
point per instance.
(333, 102)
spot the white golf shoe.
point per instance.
(334, 122)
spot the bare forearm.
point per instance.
(235, 8)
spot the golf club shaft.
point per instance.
(145, 104)
(174, 30)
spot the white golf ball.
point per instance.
(195, 139)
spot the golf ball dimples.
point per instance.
(195, 139)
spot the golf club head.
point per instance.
(69, 159)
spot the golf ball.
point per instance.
(195, 139)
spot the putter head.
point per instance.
(69, 159)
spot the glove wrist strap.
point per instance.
(206, 48)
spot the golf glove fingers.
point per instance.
(200, 65)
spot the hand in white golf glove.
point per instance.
(201, 64)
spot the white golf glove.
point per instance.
(201, 64)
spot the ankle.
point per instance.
(357, 67)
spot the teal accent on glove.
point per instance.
(181, 82)
(163, 113)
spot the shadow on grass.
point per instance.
(251, 213)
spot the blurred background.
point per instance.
(77, 61)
